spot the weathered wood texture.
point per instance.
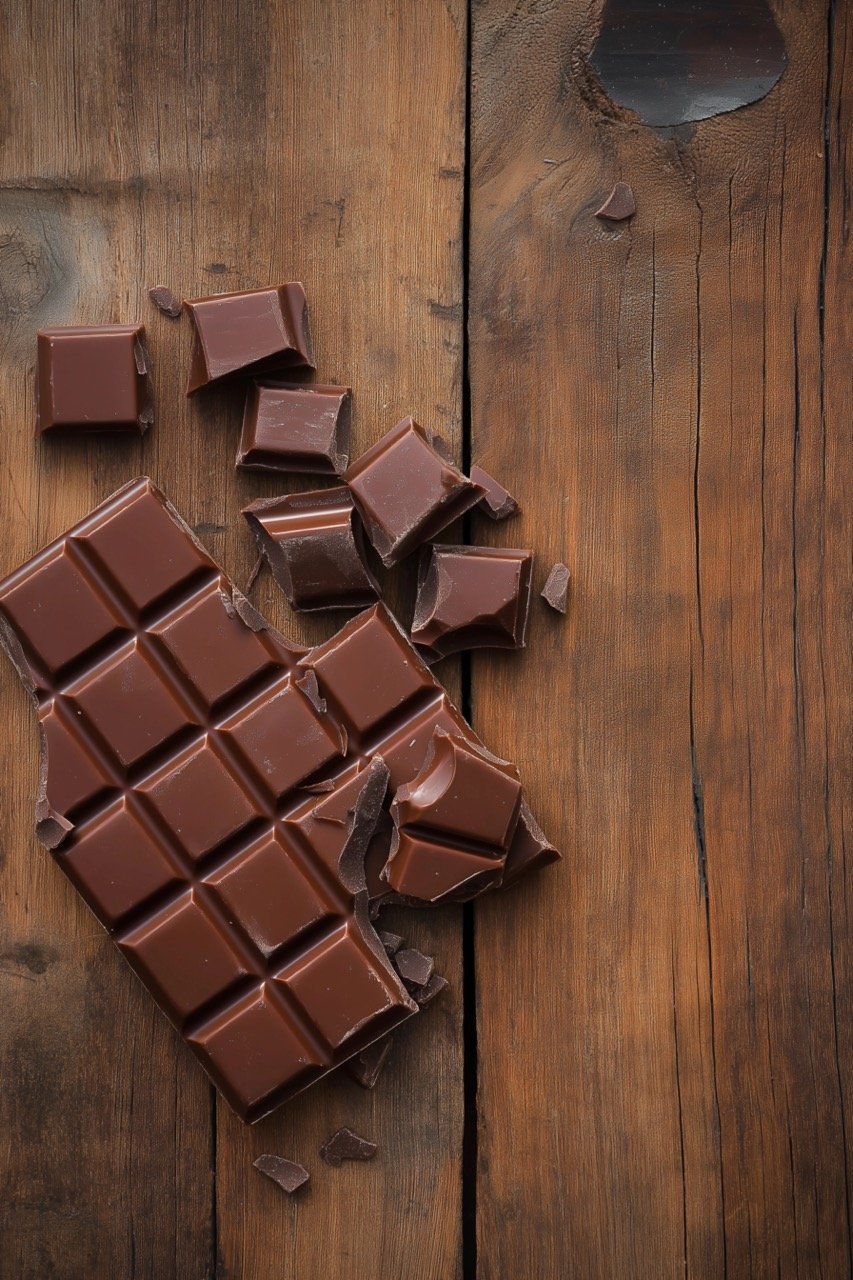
(665, 1022)
(211, 146)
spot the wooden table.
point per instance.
(644, 1067)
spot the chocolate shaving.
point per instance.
(556, 589)
(619, 205)
(414, 967)
(166, 301)
(287, 1174)
(346, 1145)
(366, 1066)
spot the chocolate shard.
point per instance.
(392, 942)
(414, 967)
(346, 1145)
(296, 427)
(250, 331)
(472, 597)
(93, 378)
(166, 301)
(253, 576)
(366, 1067)
(427, 993)
(497, 502)
(287, 1174)
(619, 205)
(454, 823)
(556, 589)
(407, 490)
(315, 548)
(530, 849)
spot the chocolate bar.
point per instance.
(315, 548)
(408, 489)
(291, 427)
(471, 597)
(252, 331)
(93, 378)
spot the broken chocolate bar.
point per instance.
(175, 742)
(470, 597)
(619, 205)
(556, 589)
(454, 824)
(346, 1145)
(408, 490)
(288, 427)
(93, 378)
(414, 967)
(253, 331)
(315, 548)
(289, 1175)
(497, 502)
(166, 301)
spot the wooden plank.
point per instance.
(664, 1064)
(210, 147)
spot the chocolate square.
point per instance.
(92, 378)
(249, 332)
(472, 597)
(292, 427)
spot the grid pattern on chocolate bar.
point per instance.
(163, 731)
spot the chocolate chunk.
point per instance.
(365, 1067)
(472, 597)
(289, 1175)
(392, 942)
(414, 967)
(408, 490)
(530, 849)
(619, 205)
(93, 378)
(253, 331)
(291, 427)
(426, 994)
(497, 502)
(315, 548)
(166, 301)
(346, 1145)
(453, 823)
(556, 589)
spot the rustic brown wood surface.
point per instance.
(661, 1038)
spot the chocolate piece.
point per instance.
(619, 205)
(253, 576)
(392, 942)
(530, 849)
(291, 427)
(254, 331)
(426, 994)
(93, 378)
(497, 502)
(365, 1067)
(289, 1175)
(166, 301)
(454, 823)
(556, 589)
(408, 490)
(315, 548)
(346, 1145)
(175, 742)
(414, 967)
(471, 597)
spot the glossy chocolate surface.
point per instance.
(407, 490)
(472, 597)
(93, 378)
(497, 502)
(288, 427)
(252, 331)
(315, 548)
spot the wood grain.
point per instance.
(208, 147)
(665, 1064)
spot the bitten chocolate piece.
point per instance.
(619, 205)
(556, 589)
(166, 301)
(176, 738)
(346, 1145)
(287, 427)
(414, 967)
(93, 378)
(254, 331)
(530, 849)
(454, 823)
(498, 502)
(289, 1175)
(315, 548)
(408, 490)
(366, 1067)
(472, 597)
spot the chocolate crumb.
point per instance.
(426, 994)
(414, 967)
(346, 1145)
(166, 301)
(366, 1066)
(392, 942)
(286, 1173)
(498, 502)
(619, 205)
(556, 589)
